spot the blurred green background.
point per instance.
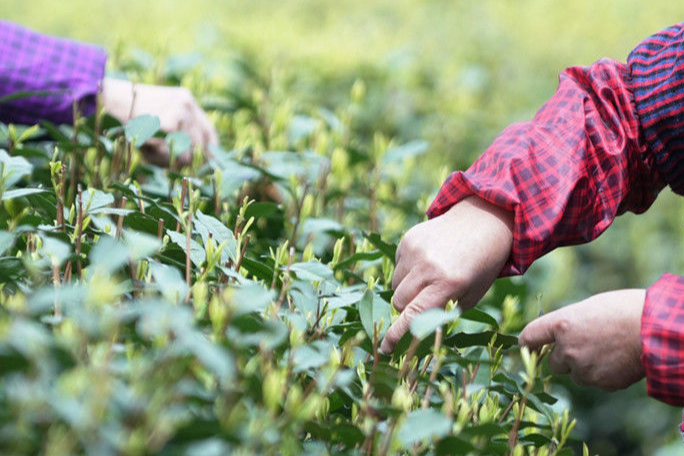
(454, 73)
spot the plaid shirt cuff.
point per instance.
(566, 174)
(62, 73)
(662, 339)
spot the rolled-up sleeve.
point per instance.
(657, 80)
(45, 78)
(567, 173)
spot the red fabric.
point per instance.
(607, 142)
(566, 174)
(662, 328)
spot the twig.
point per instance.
(119, 223)
(79, 231)
(160, 228)
(414, 384)
(217, 200)
(435, 369)
(286, 280)
(409, 355)
(242, 254)
(56, 282)
(508, 408)
(184, 193)
(188, 238)
(60, 200)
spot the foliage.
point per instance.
(237, 305)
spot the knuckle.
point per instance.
(563, 326)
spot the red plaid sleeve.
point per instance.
(657, 81)
(567, 173)
(662, 339)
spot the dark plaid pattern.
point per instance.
(662, 339)
(58, 71)
(607, 142)
(566, 174)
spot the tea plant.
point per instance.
(236, 306)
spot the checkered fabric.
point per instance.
(607, 142)
(662, 339)
(59, 72)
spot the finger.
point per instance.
(557, 361)
(408, 289)
(429, 297)
(400, 271)
(538, 332)
(398, 253)
(397, 330)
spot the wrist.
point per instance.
(118, 98)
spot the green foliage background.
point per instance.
(451, 73)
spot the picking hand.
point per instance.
(454, 256)
(597, 340)
(176, 108)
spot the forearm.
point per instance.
(61, 74)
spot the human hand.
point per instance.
(176, 108)
(454, 256)
(597, 341)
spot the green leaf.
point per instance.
(361, 256)
(109, 254)
(428, 321)
(389, 250)
(312, 271)
(252, 298)
(452, 445)
(6, 241)
(213, 356)
(261, 209)
(178, 142)
(480, 316)
(400, 153)
(56, 250)
(197, 253)
(169, 281)
(424, 424)
(258, 269)
(374, 311)
(139, 129)
(206, 225)
(140, 245)
(366, 313)
(309, 357)
(18, 193)
(13, 169)
(482, 339)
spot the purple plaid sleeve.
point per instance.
(570, 171)
(60, 72)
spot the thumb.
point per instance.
(539, 332)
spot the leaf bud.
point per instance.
(401, 398)
(273, 388)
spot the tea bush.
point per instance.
(236, 306)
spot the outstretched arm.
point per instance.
(559, 179)
(65, 75)
(607, 142)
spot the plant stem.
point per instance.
(79, 231)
